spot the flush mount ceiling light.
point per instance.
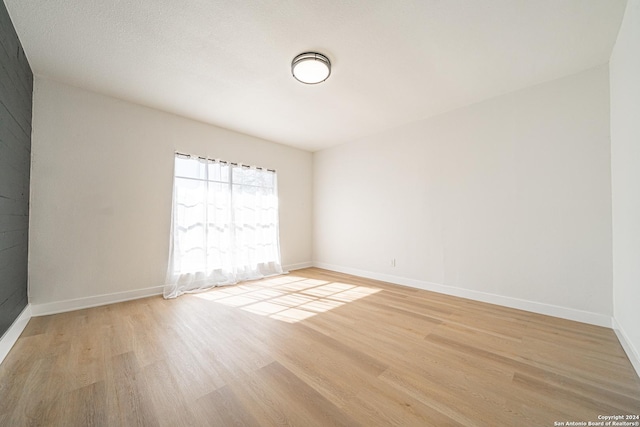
(311, 68)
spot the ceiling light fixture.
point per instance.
(311, 68)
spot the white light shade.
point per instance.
(311, 68)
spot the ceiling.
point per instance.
(227, 62)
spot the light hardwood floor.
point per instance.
(313, 348)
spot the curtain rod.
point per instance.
(223, 161)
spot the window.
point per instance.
(224, 225)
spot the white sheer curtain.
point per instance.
(224, 226)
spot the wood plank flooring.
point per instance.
(313, 348)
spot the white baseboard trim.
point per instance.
(298, 266)
(10, 337)
(94, 301)
(98, 300)
(520, 304)
(632, 353)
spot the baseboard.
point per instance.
(632, 353)
(520, 304)
(94, 301)
(98, 300)
(298, 266)
(10, 337)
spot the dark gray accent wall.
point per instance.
(16, 95)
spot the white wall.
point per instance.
(625, 177)
(101, 185)
(509, 197)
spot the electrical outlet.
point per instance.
(393, 262)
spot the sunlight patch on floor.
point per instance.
(288, 298)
